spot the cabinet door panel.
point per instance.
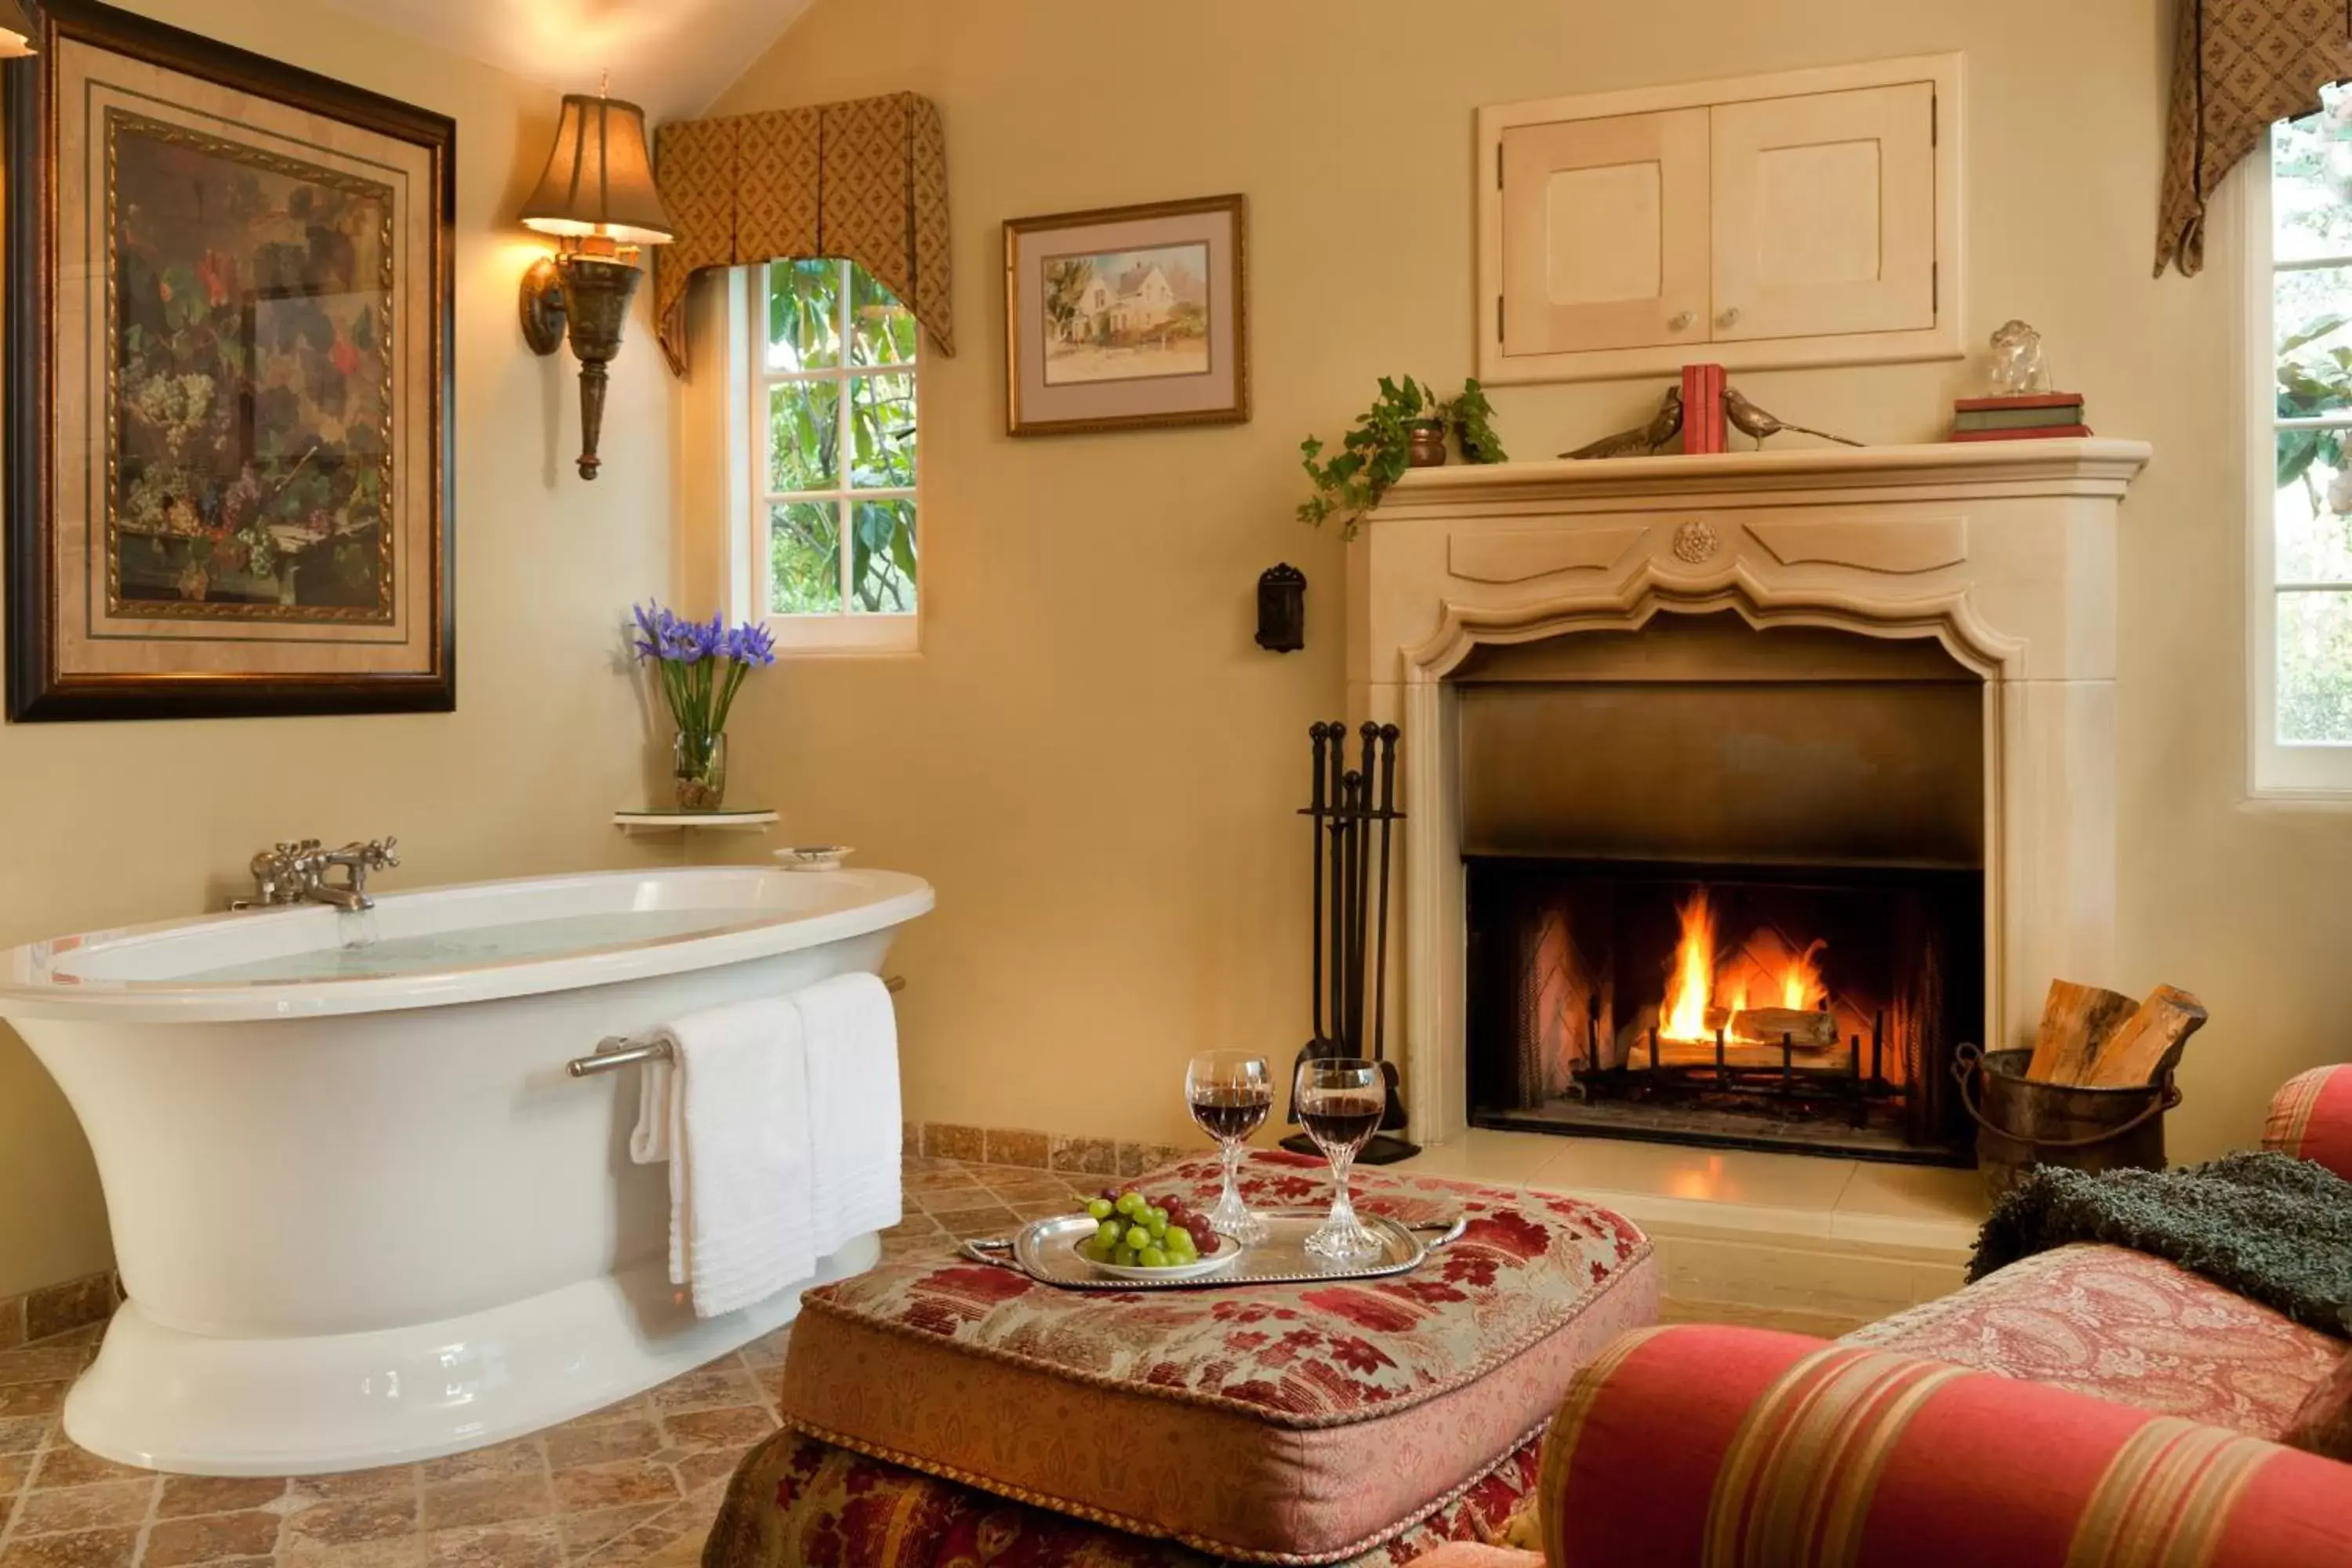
(1825, 213)
(1605, 233)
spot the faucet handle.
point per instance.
(383, 852)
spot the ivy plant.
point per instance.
(1375, 454)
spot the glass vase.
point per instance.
(698, 770)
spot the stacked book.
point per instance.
(2025, 418)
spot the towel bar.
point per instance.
(615, 1052)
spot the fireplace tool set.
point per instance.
(1353, 815)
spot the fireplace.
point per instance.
(1723, 885)
(1741, 789)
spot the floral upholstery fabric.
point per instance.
(2128, 1327)
(797, 1502)
(1280, 1423)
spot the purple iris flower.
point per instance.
(690, 654)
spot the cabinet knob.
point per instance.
(1682, 320)
(1730, 318)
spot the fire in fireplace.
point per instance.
(1724, 887)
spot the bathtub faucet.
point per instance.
(295, 873)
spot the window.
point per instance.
(834, 364)
(2300, 283)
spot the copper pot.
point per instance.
(1427, 437)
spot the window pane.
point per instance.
(2311, 182)
(2313, 320)
(881, 330)
(803, 315)
(2314, 536)
(2315, 666)
(804, 558)
(804, 436)
(882, 407)
(882, 558)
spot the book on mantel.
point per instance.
(2026, 417)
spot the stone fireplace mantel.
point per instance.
(2003, 552)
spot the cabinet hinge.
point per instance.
(1498, 318)
(1936, 287)
(1498, 166)
(1935, 121)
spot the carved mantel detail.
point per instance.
(2004, 553)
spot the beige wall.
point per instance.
(1096, 767)
(109, 823)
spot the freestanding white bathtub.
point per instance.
(361, 1213)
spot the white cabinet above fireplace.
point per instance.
(1810, 217)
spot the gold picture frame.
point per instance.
(1127, 318)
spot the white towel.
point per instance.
(851, 1036)
(729, 1112)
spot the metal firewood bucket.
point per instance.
(2021, 1123)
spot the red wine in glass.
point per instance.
(1231, 1113)
(1231, 1094)
(1338, 1121)
(1340, 1101)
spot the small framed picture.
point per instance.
(1127, 317)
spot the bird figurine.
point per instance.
(1750, 420)
(1662, 428)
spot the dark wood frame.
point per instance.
(36, 690)
(1015, 424)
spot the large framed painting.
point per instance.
(1127, 317)
(229, 406)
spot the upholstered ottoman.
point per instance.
(1295, 1423)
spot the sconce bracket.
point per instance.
(544, 307)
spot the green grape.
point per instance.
(1099, 1209)
(1124, 1257)
(1108, 1233)
(1138, 1237)
(1180, 1246)
(1154, 1258)
(1094, 1248)
(1129, 1204)
(1156, 1223)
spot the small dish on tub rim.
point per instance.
(814, 856)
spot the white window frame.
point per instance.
(2281, 770)
(750, 499)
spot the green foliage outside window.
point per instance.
(833, 317)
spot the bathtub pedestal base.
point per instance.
(202, 1405)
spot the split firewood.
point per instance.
(2078, 1021)
(2150, 1041)
(1808, 1029)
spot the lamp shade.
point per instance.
(600, 178)
(16, 31)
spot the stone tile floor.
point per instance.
(637, 1483)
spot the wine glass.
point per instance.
(1231, 1093)
(1340, 1099)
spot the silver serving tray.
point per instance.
(1046, 1250)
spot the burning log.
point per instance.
(1807, 1029)
(2078, 1021)
(2149, 1042)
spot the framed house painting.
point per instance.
(1128, 317)
(228, 382)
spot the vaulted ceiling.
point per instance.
(671, 56)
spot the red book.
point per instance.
(2021, 400)
(1702, 408)
(2030, 433)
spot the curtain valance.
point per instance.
(2239, 65)
(866, 179)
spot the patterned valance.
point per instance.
(2239, 65)
(867, 180)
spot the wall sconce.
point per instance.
(16, 31)
(599, 200)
